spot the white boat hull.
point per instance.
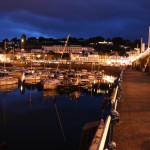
(51, 84)
(7, 88)
(31, 78)
(8, 81)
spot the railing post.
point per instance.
(111, 145)
(114, 115)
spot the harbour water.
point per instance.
(31, 118)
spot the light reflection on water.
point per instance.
(37, 119)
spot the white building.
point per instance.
(82, 59)
(36, 51)
(68, 49)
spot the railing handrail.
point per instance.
(104, 134)
(109, 118)
(113, 97)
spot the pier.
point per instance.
(133, 130)
(125, 120)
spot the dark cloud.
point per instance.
(80, 18)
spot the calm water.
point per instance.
(43, 120)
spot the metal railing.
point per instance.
(104, 134)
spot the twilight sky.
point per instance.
(129, 19)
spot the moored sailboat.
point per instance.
(51, 84)
(5, 79)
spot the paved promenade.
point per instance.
(133, 130)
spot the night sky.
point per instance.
(79, 18)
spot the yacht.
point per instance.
(29, 77)
(83, 80)
(8, 87)
(5, 79)
(51, 84)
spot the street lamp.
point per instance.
(22, 44)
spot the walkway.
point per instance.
(133, 130)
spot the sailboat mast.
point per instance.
(63, 50)
(149, 38)
(141, 45)
(5, 47)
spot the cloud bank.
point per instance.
(87, 18)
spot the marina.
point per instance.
(66, 93)
(35, 118)
(59, 106)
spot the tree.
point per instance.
(95, 40)
(118, 41)
(32, 39)
(73, 41)
(15, 40)
(42, 39)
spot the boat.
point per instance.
(74, 81)
(59, 75)
(30, 78)
(5, 79)
(109, 79)
(8, 87)
(51, 84)
(83, 80)
(100, 75)
(44, 75)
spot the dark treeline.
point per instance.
(116, 45)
